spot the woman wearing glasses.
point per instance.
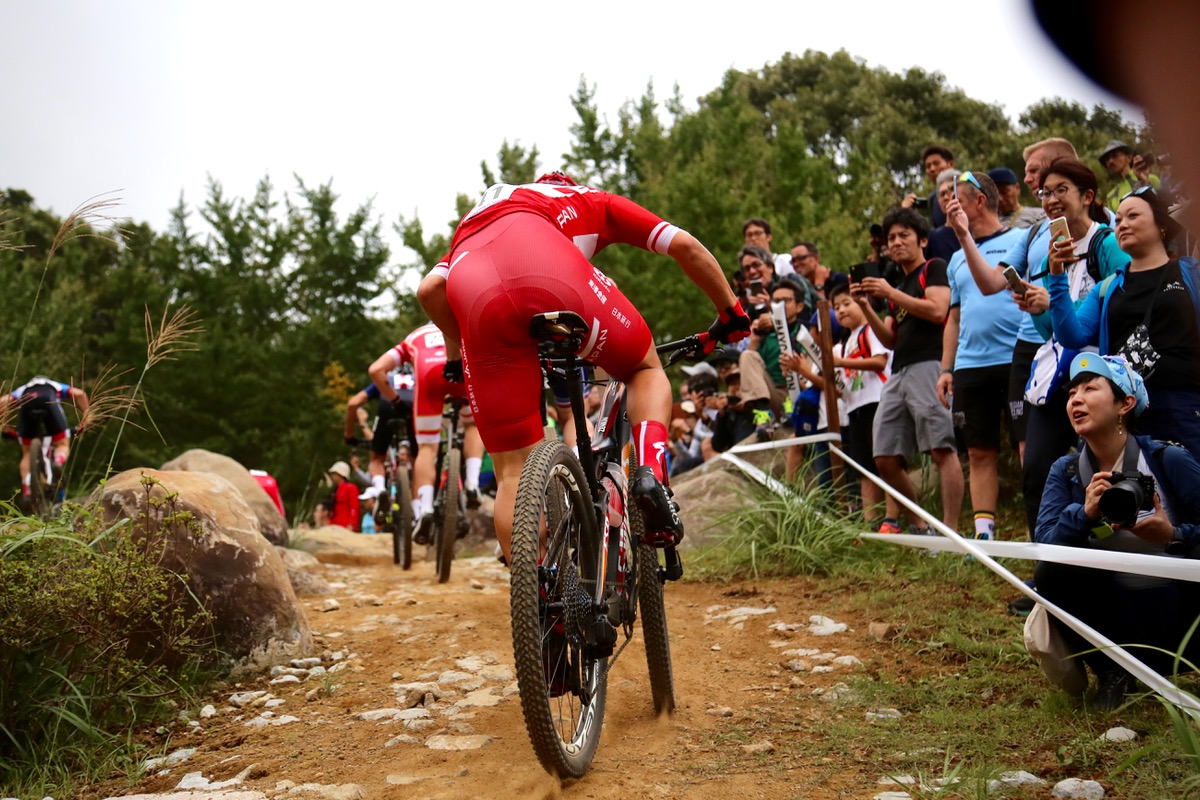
(1147, 313)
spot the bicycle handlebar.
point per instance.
(694, 347)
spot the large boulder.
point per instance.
(228, 564)
(271, 522)
(333, 544)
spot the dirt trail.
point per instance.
(733, 683)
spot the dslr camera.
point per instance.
(1129, 493)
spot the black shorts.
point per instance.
(1018, 409)
(385, 414)
(981, 406)
(856, 436)
(40, 413)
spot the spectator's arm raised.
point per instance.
(989, 279)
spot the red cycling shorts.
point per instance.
(518, 266)
(429, 398)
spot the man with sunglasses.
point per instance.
(981, 330)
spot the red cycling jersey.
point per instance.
(425, 349)
(523, 250)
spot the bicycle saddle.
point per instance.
(558, 325)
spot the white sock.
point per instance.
(416, 504)
(377, 481)
(474, 466)
(425, 496)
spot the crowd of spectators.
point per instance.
(953, 336)
(977, 324)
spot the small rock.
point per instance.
(208, 712)
(171, 760)
(723, 711)
(330, 605)
(758, 748)
(367, 600)
(481, 698)
(824, 626)
(305, 663)
(412, 713)
(883, 713)
(284, 679)
(457, 742)
(1078, 789)
(797, 665)
(881, 631)
(476, 584)
(403, 738)
(897, 780)
(847, 661)
(823, 668)
(1014, 780)
(803, 652)
(274, 703)
(345, 791)
(892, 796)
(784, 627)
(419, 725)
(378, 714)
(498, 673)
(317, 672)
(1119, 735)
(716, 648)
(243, 699)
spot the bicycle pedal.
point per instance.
(673, 571)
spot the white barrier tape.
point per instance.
(1183, 569)
(780, 443)
(775, 485)
(1184, 701)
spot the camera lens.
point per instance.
(1120, 503)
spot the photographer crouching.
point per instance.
(1121, 493)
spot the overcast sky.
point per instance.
(399, 102)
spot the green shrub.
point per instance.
(95, 638)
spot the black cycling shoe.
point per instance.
(660, 512)
(423, 529)
(473, 501)
(1113, 685)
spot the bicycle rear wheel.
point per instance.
(402, 522)
(562, 686)
(447, 534)
(39, 489)
(653, 612)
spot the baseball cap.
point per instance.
(1117, 370)
(371, 493)
(703, 368)
(729, 353)
(340, 468)
(1112, 146)
(1002, 175)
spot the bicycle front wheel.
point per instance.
(402, 522)
(562, 686)
(653, 612)
(448, 533)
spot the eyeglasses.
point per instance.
(1058, 191)
(802, 257)
(755, 264)
(967, 177)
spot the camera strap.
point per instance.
(1087, 467)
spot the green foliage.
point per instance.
(87, 656)
(281, 287)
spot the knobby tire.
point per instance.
(653, 612)
(448, 532)
(402, 521)
(39, 500)
(564, 729)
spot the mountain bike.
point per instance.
(580, 568)
(398, 490)
(43, 475)
(449, 502)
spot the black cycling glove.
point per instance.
(453, 371)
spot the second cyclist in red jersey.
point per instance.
(524, 250)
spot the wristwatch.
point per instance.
(1177, 546)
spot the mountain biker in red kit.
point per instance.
(524, 250)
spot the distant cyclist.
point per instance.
(524, 250)
(425, 350)
(40, 413)
(381, 435)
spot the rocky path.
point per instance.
(413, 695)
